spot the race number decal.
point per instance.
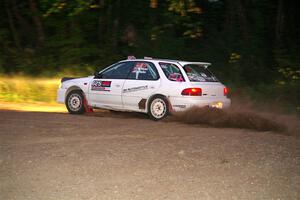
(101, 85)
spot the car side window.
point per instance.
(143, 71)
(117, 71)
(172, 72)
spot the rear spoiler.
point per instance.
(205, 64)
(66, 79)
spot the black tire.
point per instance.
(158, 107)
(75, 102)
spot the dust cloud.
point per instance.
(235, 117)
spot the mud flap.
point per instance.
(170, 108)
(142, 104)
(87, 108)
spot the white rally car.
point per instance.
(153, 86)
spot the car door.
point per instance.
(105, 88)
(142, 81)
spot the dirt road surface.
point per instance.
(57, 156)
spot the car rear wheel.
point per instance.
(158, 108)
(75, 102)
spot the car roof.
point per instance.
(181, 62)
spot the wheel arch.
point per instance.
(159, 95)
(72, 88)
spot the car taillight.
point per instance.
(226, 91)
(192, 92)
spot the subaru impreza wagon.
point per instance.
(153, 86)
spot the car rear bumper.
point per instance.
(182, 103)
(61, 95)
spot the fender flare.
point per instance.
(85, 102)
(170, 108)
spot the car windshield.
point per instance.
(199, 73)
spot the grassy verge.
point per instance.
(30, 94)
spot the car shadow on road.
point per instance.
(118, 114)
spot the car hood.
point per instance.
(67, 80)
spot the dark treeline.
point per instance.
(249, 42)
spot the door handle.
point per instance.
(117, 85)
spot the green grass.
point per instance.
(27, 89)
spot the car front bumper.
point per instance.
(61, 95)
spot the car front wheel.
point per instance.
(75, 102)
(158, 108)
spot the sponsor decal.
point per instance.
(141, 65)
(165, 65)
(176, 77)
(134, 89)
(101, 85)
(195, 77)
(180, 106)
(105, 83)
(203, 75)
(140, 68)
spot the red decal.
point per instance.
(105, 83)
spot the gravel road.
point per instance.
(57, 156)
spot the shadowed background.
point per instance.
(253, 45)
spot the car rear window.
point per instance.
(199, 73)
